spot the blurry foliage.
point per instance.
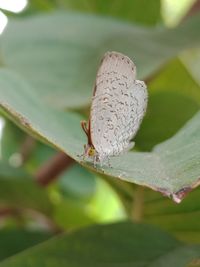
(124, 9)
(19, 191)
(49, 61)
(12, 138)
(174, 11)
(179, 90)
(107, 246)
(13, 241)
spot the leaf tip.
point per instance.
(180, 195)
(176, 199)
(177, 196)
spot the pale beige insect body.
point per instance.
(118, 106)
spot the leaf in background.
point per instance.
(18, 190)
(167, 113)
(61, 65)
(180, 220)
(174, 97)
(174, 12)
(78, 182)
(38, 5)
(70, 214)
(18, 146)
(172, 168)
(175, 77)
(13, 241)
(11, 140)
(76, 187)
(85, 198)
(105, 205)
(40, 154)
(191, 60)
(140, 11)
(122, 244)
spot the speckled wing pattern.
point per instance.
(118, 105)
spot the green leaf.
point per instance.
(172, 168)
(180, 220)
(78, 182)
(61, 65)
(18, 190)
(174, 97)
(13, 241)
(76, 188)
(38, 156)
(122, 244)
(77, 215)
(191, 59)
(37, 5)
(167, 113)
(140, 11)
(87, 199)
(176, 77)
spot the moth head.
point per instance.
(89, 150)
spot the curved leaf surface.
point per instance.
(61, 65)
(122, 244)
(15, 240)
(172, 168)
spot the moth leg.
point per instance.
(86, 130)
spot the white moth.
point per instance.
(118, 106)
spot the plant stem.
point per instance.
(195, 8)
(138, 204)
(27, 147)
(51, 170)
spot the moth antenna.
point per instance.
(85, 127)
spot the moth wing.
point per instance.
(115, 111)
(139, 100)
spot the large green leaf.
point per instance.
(13, 241)
(122, 244)
(172, 168)
(61, 65)
(18, 190)
(140, 11)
